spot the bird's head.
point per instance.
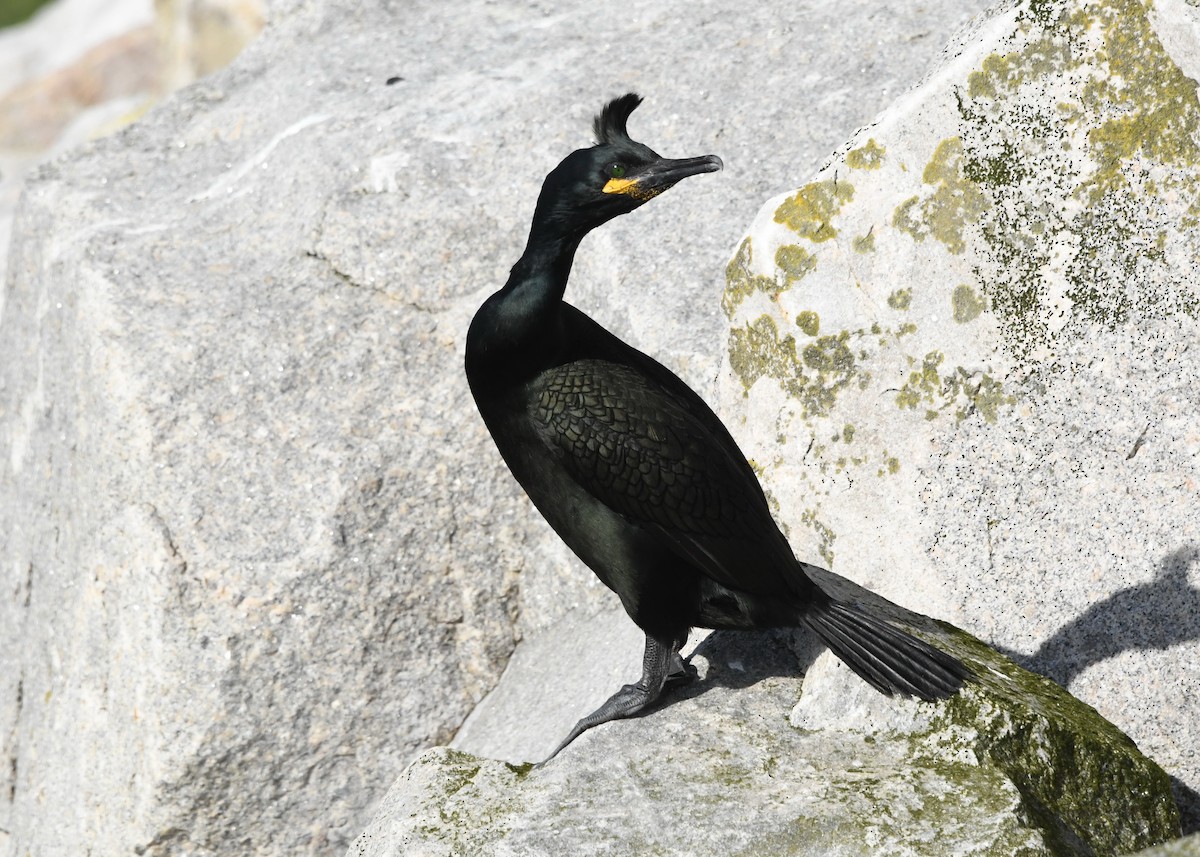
(591, 186)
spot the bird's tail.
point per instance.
(891, 661)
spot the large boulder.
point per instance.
(257, 549)
(964, 356)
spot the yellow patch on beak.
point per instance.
(630, 187)
(620, 186)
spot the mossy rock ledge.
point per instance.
(733, 765)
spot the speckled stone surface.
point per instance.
(964, 356)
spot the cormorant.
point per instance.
(633, 470)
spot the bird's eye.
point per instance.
(616, 171)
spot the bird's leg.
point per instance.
(661, 661)
(681, 671)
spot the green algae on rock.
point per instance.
(1118, 135)
(866, 157)
(1112, 803)
(741, 282)
(810, 210)
(953, 202)
(794, 262)
(814, 375)
(967, 305)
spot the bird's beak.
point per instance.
(654, 178)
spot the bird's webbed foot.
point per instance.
(660, 664)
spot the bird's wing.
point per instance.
(647, 454)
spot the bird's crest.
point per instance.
(609, 126)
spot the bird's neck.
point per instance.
(520, 328)
(529, 303)
(539, 279)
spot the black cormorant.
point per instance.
(629, 465)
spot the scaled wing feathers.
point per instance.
(643, 454)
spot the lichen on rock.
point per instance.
(1025, 221)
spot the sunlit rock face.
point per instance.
(257, 548)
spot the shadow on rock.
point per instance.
(739, 659)
(1188, 801)
(1154, 615)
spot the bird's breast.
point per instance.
(600, 536)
